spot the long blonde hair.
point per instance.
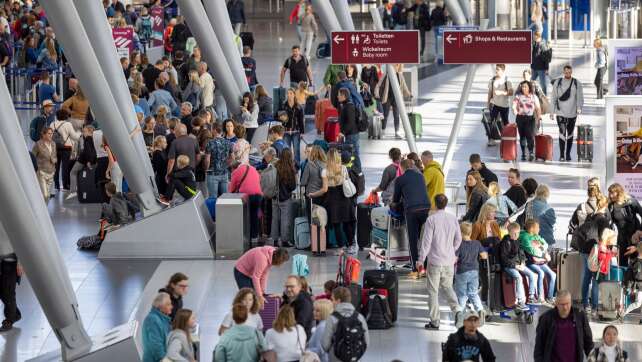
(317, 154)
(494, 189)
(483, 213)
(334, 168)
(194, 78)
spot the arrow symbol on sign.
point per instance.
(338, 39)
(450, 39)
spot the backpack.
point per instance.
(36, 126)
(378, 315)
(358, 179)
(362, 119)
(146, 27)
(269, 185)
(398, 14)
(349, 338)
(57, 138)
(546, 53)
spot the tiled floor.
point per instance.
(109, 291)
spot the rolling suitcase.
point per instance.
(270, 311)
(247, 38)
(508, 145)
(374, 126)
(317, 238)
(88, 190)
(543, 147)
(416, 124)
(493, 128)
(323, 110)
(301, 233)
(508, 291)
(570, 265)
(278, 98)
(331, 130)
(384, 279)
(364, 224)
(585, 142)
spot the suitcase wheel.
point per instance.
(529, 319)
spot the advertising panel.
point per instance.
(624, 143)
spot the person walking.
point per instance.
(563, 333)
(299, 68)
(527, 113)
(10, 273)
(542, 55)
(421, 23)
(433, 176)
(236, 11)
(348, 123)
(442, 238)
(438, 19)
(624, 212)
(600, 66)
(411, 188)
(45, 153)
(297, 15)
(500, 90)
(609, 350)
(309, 28)
(567, 99)
(386, 97)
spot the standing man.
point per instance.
(468, 344)
(516, 193)
(563, 333)
(249, 66)
(433, 176)
(442, 238)
(476, 164)
(542, 56)
(421, 22)
(236, 11)
(182, 145)
(438, 18)
(207, 87)
(299, 67)
(301, 302)
(10, 272)
(348, 123)
(567, 99)
(410, 187)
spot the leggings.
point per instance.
(526, 128)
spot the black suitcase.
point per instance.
(310, 104)
(355, 293)
(323, 50)
(342, 147)
(585, 142)
(384, 279)
(88, 189)
(493, 128)
(364, 224)
(247, 38)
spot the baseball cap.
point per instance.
(47, 103)
(470, 314)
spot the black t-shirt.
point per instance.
(298, 69)
(150, 74)
(184, 146)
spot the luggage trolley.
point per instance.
(390, 248)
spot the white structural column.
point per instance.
(342, 11)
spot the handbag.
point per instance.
(306, 356)
(349, 189)
(593, 259)
(265, 356)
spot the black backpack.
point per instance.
(349, 338)
(378, 315)
(36, 126)
(362, 118)
(358, 179)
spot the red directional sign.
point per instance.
(487, 47)
(380, 47)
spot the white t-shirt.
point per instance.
(500, 84)
(253, 320)
(610, 352)
(285, 344)
(98, 144)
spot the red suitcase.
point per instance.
(317, 238)
(365, 295)
(543, 145)
(331, 130)
(508, 146)
(322, 111)
(270, 311)
(508, 291)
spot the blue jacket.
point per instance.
(410, 188)
(235, 9)
(546, 217)
(156, 327)
(161, 97)
(355, 96)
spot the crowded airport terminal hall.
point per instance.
(321, 180)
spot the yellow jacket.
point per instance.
(435, 183)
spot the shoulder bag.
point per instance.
(238, 188)
(349, 189)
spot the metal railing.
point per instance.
(23, 83)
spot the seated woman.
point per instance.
(513, 261)
(486, 230)
(247, 297)
(535, 248)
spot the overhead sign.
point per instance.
(441, 29)
(487, 47)
(380, 47)
(158, 25)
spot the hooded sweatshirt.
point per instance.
(434, 177)
(240, 343)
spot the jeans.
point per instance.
(532, 282)
(242, 280)
(386, 112)
(353, 139)
(440, 277)
(8, 281)
(281, 221)
(299, 33)
(73, 176)
(541, 74)
(63, 166)
(255, 205)
(237, 28)
(599, 76)
(566, 128)
(293, 140)
(422, 44)
(414, 221)
(435, 30)
(306, 43)
(588, 278)
(466, 285)
(541, 271)
(216, 184)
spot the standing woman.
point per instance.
(229, 128)
(624, 211)
(241, 148)
(386, 97)
(45, 152)
(176, 288)
(537, 17)
(352, 73)
(286, 181)
(294, 126)
(192, 91)
(249, 115)
(313, 177)
(545, 214)
(78, 106)
(476, 196)
(600, 66)
(309, 27)
(159, 163)
(180, 347)
(264, 102)
(527, 110)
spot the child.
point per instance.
(467, 277)
(513, 261)
(119, 210)
(328, 287)
(183, 179)
(247, 297)
(277, 132)
(537, 255)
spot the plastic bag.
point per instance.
(372, 199)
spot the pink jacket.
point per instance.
(250, 186)
(256, 264)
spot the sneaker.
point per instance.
(588, 310)
(397, 135)
(286, 244)
(523, 157)
(431, 326)
(65, 190)
(353, 249)
(482, 317)
(254, 241)
(458, 319)
(522, 306)
(531, 158)
(163, 200)
(71, 196)
(562, 159)
(550, 301)
(6, 326)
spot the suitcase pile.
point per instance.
(385, 283)
(390, 247)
